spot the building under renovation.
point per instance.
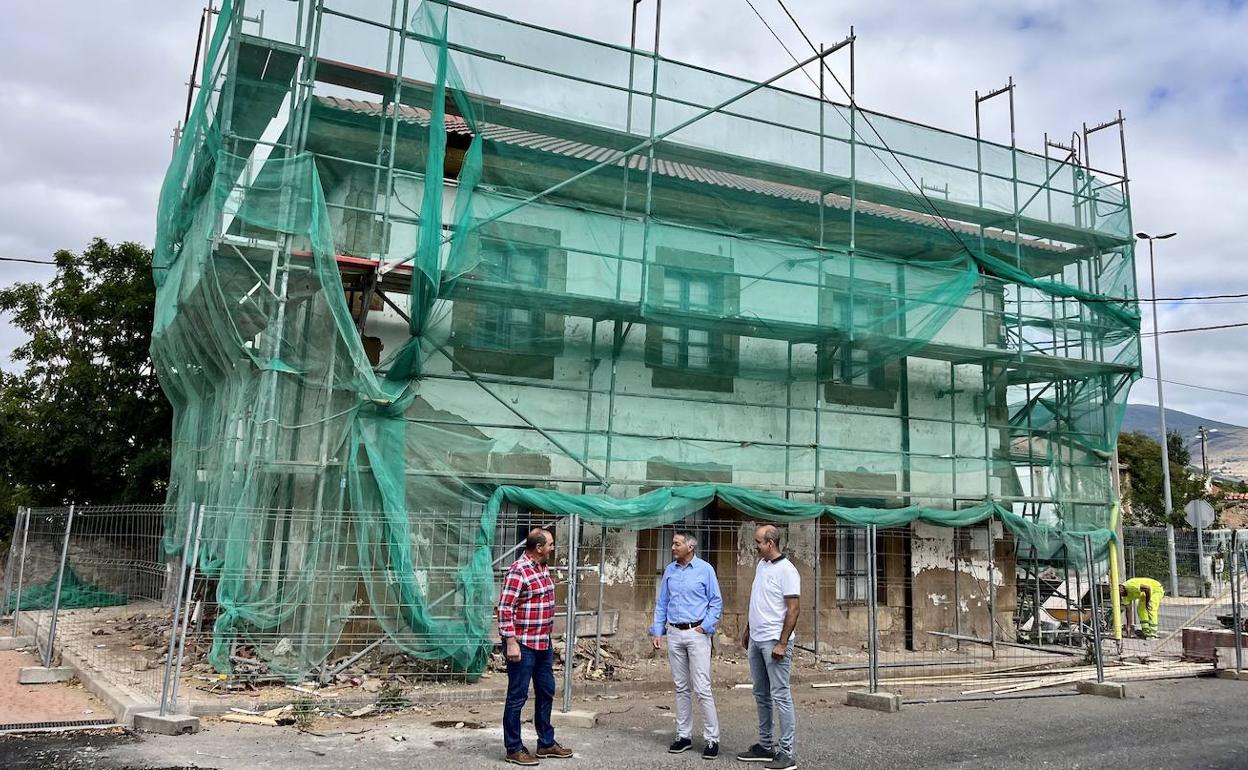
(428, 276)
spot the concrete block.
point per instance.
(1107, 689)
(1225, 656)
(574, 718)
(16, 642)
(41, 675)
(887, 702)
(1240, 675)
(170, 724)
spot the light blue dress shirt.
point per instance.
(687, 594)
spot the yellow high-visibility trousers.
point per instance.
(1148, 611)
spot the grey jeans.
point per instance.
(771, 689)
(689, 654)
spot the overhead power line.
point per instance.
(1193, 298)
(33, 261)
(29, 260)
(1195, 329)
(1202, 296)
(917, 194)
(1197, 387)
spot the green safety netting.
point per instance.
(818, 301)
(669, 506)
(75, 593)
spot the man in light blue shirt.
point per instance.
(687, 611)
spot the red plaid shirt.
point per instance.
(526, 608)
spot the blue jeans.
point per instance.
(771, 688)
(536, 666)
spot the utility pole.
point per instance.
(1204, 457)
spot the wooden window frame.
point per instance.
(723, 350)
(475, 355)
(883, 377)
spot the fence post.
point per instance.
(8, 565)
(11, 563)
(56, 597)
(1096, 611)
(957, 594)
(818, 581)
(177, 610)
(992, 591)
(21, 572)
(602, 566)
(1200, 560)
(1173, 558)
(569, 636)
(1237, 620)
(186, 608)
(873, 649)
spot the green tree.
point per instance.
(84, 420)
(1142, 456)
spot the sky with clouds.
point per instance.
(90, 93)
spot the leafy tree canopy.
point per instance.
(83, 420)
(1142, 456)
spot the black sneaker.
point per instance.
(782, 762)
(711, 751)
(680, 745)
(756, 753)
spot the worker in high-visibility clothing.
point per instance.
(1143, 595)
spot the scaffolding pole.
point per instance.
(569, 635)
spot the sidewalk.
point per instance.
(42, 703)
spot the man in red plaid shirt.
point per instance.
(526, 613)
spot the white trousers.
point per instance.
(689, 653)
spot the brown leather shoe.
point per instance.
(553, 751)
(523, 757)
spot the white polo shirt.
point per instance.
(773, 580)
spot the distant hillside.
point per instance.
(1228, 444)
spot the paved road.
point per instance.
(1175, 724)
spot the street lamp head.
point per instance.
(1146, 237)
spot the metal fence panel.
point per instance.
(110, 613)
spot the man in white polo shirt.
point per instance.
(769, 639)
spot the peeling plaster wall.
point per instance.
(952, 596)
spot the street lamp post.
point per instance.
(1161, 413)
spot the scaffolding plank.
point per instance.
(264, 75)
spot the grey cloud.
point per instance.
(85, 158)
